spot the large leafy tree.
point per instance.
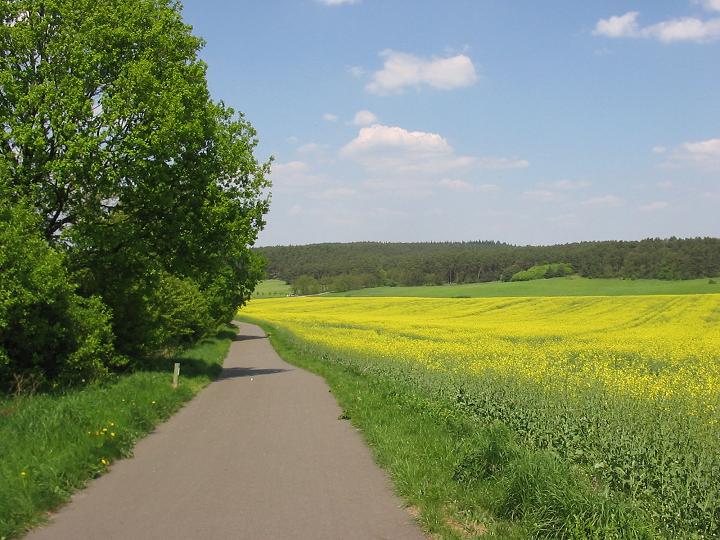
(109, 132)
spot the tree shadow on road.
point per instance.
(241, 337)
(236, 372)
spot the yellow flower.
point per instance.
(23, 474)
(112, 434)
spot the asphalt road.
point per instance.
(259, 454)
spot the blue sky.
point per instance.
(521, 121)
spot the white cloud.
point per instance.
(672, 30)
(404, 187)
(397, 151)
(337, 2)
(665, 184)
(328, 117)
(566, 185)
(292, 167)
(709, 149)
(605, 200)
(703, 154)
(294, 175)
(710, 5)
(364, 118)
(490, 162)
(466, 187)
(540, 195)
(403, 70)
(310, 148)
(382, 212)
(296, 210)
(562, 219)
(552, 191)
(685, 29)
(655, 205)
(659, 150)
(618, 26)
(333, 194)
(356, 71)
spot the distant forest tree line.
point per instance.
(340, 267)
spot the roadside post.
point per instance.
(176, 375)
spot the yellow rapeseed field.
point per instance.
(626, 386)
(643, 346)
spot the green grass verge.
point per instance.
(462, 477)
(566, 286)
(51, 445)
(271, 288)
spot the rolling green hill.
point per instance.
(271, 288)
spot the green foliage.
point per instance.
(543, 271)
(182, 313)
(489, 455)
(349, 282)
(52, 444)
(148, 188)
(563, 504)
(539, 487)
(47, 331)
(305, 285)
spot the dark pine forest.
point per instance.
(338, 266)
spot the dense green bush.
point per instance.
(543, 271)
(47, 331)
(305, 285)
(181, 312)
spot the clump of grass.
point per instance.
(561, 503)
(537, 487)
(52, 444)
(490, 452)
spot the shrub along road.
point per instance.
(260, 453)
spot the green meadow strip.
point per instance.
(52, 444)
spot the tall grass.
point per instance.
(52, 444)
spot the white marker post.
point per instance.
(176, 374)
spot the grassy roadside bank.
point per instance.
(51, 445)
(464, 478)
